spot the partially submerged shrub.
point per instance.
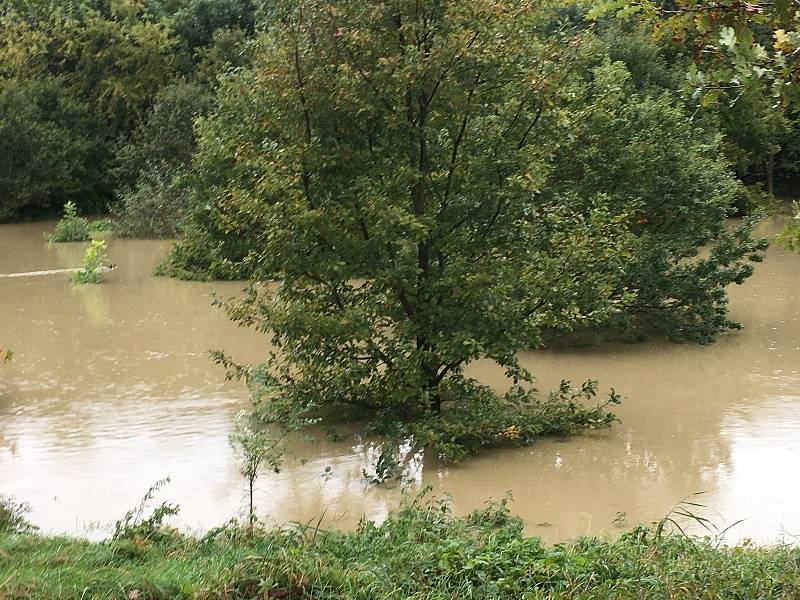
(93, 264)
(520, 417)
(475, 418)
(752, 199)
(71, 227)
(101, 226)
(154, 207)
(204, 255)
(152, 200)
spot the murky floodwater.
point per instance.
(111, 389)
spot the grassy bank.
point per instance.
(420, 552)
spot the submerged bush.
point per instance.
(154, 207)
(485, 420)
(151, 200)
(94, 263)
(71, 227)
(668, 176)
(206, 253)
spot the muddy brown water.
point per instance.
(111, 390)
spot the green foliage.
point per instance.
(154, 207)
(119, 61)
(653, 67)
(421, 552)
(140, 529)
(165, 136)
(112, 54)
(229, 49)
(12, 513)
(402, 214)
(206, 253)
(734, 66)
(153, 199)
(484, 421)
(655, 164)
(753, 200)
(754, 127)
(210, 247)
(254, 446)
(80, 77)
(196, 21)
(739, 45)
(790, 236)
(99, 226)
(94, 264)
(49, 147)
(71, 227)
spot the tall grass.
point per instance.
(12, 517)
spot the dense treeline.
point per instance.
(97, 101)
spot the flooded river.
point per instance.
(111, 390)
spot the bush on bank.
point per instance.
(420, 552)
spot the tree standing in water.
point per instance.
(393, 176)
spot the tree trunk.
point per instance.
(770, 168)
(436, 402)
(251, 514)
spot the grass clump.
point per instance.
(93, 264)
(12, 517)
(421, 552)
(135, 526)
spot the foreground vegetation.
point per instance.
(421, 552)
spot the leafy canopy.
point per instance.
(383, 157)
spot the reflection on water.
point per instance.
(111, 389)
